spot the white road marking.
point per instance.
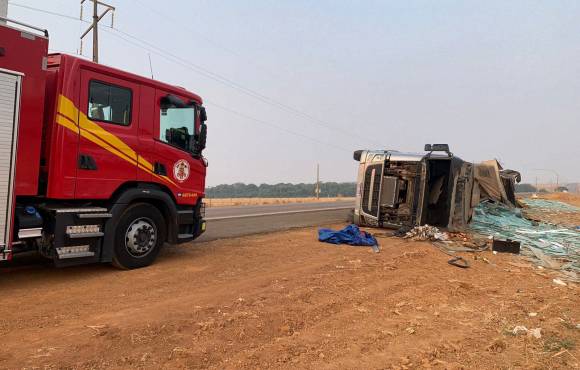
(278, 213)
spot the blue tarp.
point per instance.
(350, 235)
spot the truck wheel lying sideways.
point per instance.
(96, 164)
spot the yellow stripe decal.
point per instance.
(67, 117)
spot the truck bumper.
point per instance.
(191, 223)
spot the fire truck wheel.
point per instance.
(139, 236)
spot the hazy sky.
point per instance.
(491, 78)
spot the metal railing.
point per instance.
(8, 20)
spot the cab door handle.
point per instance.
(159, 169)
(86, 162)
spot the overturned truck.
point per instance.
(397, 189)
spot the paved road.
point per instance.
(228, 222)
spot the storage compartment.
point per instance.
(9, 105)
(26, 53)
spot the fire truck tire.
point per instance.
(139, 236)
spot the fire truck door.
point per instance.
(175, 130)
(107, 153)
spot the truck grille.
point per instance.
(372, 188)
(9, 94)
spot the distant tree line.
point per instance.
(281, 190)
(529, 188)
(525, 188)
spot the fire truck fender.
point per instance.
(145, 194)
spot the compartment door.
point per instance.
(10, 85)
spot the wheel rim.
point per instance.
(141, 237)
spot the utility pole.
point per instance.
(3, 10)
(317, 190)
(95, 25)
(552, 171)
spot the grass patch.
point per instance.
(556, 344)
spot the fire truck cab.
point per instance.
(96, 164)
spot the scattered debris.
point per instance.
(447, 242)
(519, 330)
(459, 262)
(550, 246)
(425, 232)
(506, 246)
(559, 282)
(536, 332)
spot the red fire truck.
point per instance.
(96, 164)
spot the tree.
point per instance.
(525, 188)
(281, 190)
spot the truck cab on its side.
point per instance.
(396, 189)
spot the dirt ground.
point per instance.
(284, 300)
(570, 198)
(228, 202)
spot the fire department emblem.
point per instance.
(181, 170)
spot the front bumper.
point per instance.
(191, 223)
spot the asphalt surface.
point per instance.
(229, 222)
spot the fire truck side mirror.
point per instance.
(202, 114)
(202, 136)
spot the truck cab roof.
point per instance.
(55, 60)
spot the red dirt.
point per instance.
(284, 300)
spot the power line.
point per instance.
(175, 59)
(216, 44)
(248, 91)
(174, 21)
(240, 114)
(257, 120)
(243, 115)
(232, 84)
(292, 110)
(44, 11)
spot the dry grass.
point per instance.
(570, 198)
(228, 202)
